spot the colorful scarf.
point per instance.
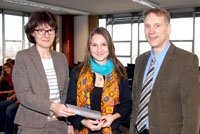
(110, 94)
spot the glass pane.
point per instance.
(122, 32)
(102, 23)
(184, 45)
(1, 54)
(134, 42)
(109, 28)
(11, 49)
(124, 60)
(141, 32)
(26, 45)
(182, 29)
(197, 37)
(144, 47)
(13, 31)
(122, 48)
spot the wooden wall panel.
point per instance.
(93, 22)
(68, 38)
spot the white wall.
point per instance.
(80, 37)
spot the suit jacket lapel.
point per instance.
(142, 68)
(164, 69)
(38, 63)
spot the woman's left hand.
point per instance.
(70, 129)
(109, 119)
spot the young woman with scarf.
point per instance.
(100, 83)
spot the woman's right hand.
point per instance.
(60, 110)
(92, 124)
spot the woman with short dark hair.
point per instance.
(40, 78)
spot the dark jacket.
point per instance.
(123, 108)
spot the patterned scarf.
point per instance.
(110, 94)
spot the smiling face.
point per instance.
(99, 49)
(156, 32)
(7, 70)
(45, 40)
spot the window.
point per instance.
(1, 41)
(122, 32)
(122, 48)
(144, 47)
(102, 23)
(184, 45)
(11, 48)
(141, 32)
(124, 60)
(182, 29)
(129, 38)
(26, 42)
(13, 31)
(182, 33)
(122, 42)
(134, 42)
(197, 37)
(13, 36)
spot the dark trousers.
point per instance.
(8, 109)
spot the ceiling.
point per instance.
(91, 7)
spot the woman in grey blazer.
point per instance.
(40, 78)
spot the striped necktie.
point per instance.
(144, 99)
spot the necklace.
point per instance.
(100, 78)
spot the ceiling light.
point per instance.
(147, 3)
(46, 6)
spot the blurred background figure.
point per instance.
(8, 107)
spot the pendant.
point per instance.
(100, 79)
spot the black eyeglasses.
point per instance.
(43, 32)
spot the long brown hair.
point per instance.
(4, 75)
(119, 68)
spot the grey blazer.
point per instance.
(32, 88)
(174, 103)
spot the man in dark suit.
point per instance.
(166, 96)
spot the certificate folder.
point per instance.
(92, 114)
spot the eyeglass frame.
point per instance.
(46, 31)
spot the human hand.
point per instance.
(92, 124)
(17, 102)
(108, 119)
(61, 110)
(12, 97)
(70, 129)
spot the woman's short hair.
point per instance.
(39, 18)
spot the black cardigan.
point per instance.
(123, 108)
